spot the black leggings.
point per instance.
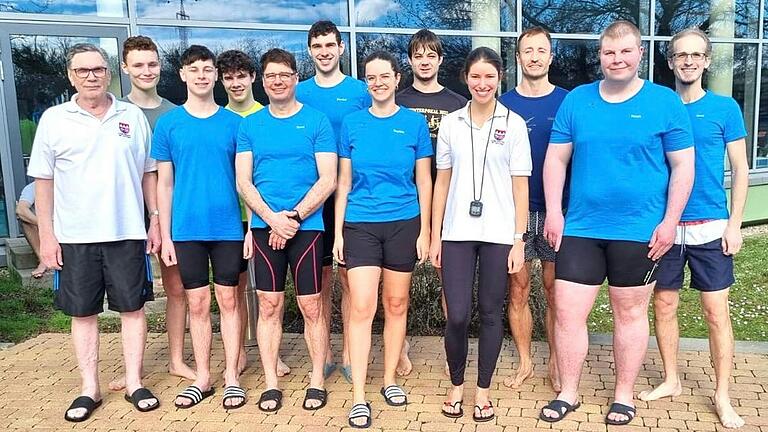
(459, 260)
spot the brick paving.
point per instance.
(39, 379)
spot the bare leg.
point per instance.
(199, 301)
(548, 281)
(316, 336)
(715, 306)
(345, 311)
(395, 301)
(33, 237)
(363, 303)
(85, 338)
(228, 298)
(665, 302)
(134, 336)
(175, 321)
(630, 339)
(572, 309)
(242, 358)
(521, 324)
(269, 332)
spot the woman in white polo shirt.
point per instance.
(479, 215)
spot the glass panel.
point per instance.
(761, 159)
(719, 18)
(733, 72)
(478, 15)
(253, 42)
(260, 11)
(103, 8)
(567, 16)
(455, 49)
(578, 62)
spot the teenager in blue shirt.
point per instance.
(382, 222)
(708, 236)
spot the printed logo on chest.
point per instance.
(498, 136)
(124, 129)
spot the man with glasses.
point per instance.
(93, 232)
(336, 95)
(707, 236)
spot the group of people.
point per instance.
(602, 182)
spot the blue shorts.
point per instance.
(711, 270)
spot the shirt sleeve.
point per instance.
(160, 141)
(443, 158)
(244, 143)
(678, 135)
(562, 128)
(145, 131)
(325, 140)
(424, 142)
(43, 158)
(734, 122)
(519, 148)
(345, 150)
(28, 194)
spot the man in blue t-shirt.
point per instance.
(707, 236)
(630, 147)
(536, 100)
(336, 95)
(286, 169)
(194, 145)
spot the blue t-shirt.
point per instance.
(284, 164)
(716, 120)
(348, 96)
(539, 115)
(383, 152)
(202, 151)
(619, 171)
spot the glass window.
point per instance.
(103, 8)
(275, 11)
(478, 15)
(719, 18)
(253, 42)
(567, 16)
(455, 51)
(577, 62)
(761, 152)
(733, 72)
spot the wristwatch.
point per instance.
(521, 237)
(296, 216)
(154, 213)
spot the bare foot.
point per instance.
(404, 365)
(117, 384)
(282, 368)
(39, 271)
(728, 416)
(665, 389)
(182, 370)
(554, 377)
(523, 373)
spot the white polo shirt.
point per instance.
(509, 154)
(97, 166)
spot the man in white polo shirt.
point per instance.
(91, 162)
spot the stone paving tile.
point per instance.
(40, 379)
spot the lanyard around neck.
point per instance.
(485, 153)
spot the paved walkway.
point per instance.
(39, 379)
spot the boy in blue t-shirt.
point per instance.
(194, 145)
(707, 236)
(286, 169)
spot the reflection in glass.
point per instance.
(276, 11)
(103, 8)
(719, 18)
(455, 50)
(252, 42)
(568, 16)
(733, 72)
(761, 152)
(577, 62)
(479, 15)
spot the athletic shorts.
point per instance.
(303, 253)
(536, 246)
(711, 270)
(226, 258)
(390, 245)
(329, 223)
(120, 269)
(589, 261)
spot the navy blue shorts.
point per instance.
(711, 270)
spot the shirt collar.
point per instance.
(116, 106)
(500, 111)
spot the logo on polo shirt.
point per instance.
(498, 136)
(398, 131)
(699, 115)
(125, 130)
(338, 99)
(635, 116)
(300, 126)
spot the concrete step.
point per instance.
(27, 280)
(20, 254)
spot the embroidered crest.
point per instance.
(498, 136)
(125, 129)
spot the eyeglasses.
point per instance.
(98, 72)
(682, 56)
(283, 76)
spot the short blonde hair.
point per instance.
(619, 29)
(691, 31)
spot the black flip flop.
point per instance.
(561, 407)
(393, 391)
(620, 408)
(195, 395)
(143, 394)
(233, 392)
(458, 414)
(315, 394)
(360, 411)
(269, 396)
(82, 402)
(481, 418)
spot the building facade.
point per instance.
(34, 35)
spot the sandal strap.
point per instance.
(192, 393)
(559, 406)
(234, 392)
(85, 402)
(394, 391)
(271, 395)
(360, 410)
(316, 394)
(620, 408)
